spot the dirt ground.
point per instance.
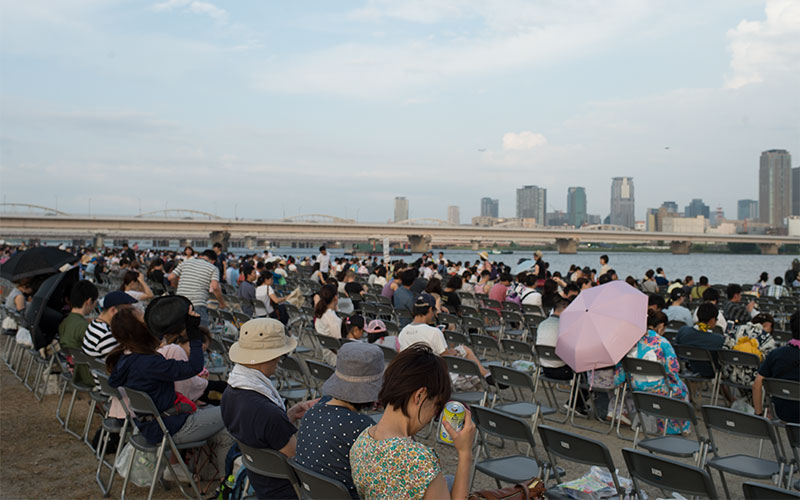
(39, 460)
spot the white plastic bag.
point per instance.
(24, 337)
(742, 405)
(143, 466)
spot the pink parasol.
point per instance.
(601, 325)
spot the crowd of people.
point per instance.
(152, 333)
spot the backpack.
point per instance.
(749, 345)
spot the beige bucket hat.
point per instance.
(261, 340)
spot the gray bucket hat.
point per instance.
(359, 373)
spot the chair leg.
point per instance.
(159, 456)
(31, 360)
(69, 414)
(88, 425)
(128, 473)
(61, 401)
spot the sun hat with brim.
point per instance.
(359, 373)
(261, 340)
(375, 326)
(483, 255)
(167, 315)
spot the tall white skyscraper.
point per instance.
(775, 187)
(622, 202)
(532, 204)
(400, 208)
(453, 215)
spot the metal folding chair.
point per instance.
(760, 491)
(517, 381)
(733, 359)
(698, 355)
(320, 372)
(316, 486)
(544, 352)
(109, 426)
(461, 366)
(269, 463)
(668, 408)
(668, 475)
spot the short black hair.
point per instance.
(732, 290)
(706, 312)
(505, 277)
(649, 273)
(530, 280)
(603, 279)
(604, 258)
(413, 368)
(704, 280)
(711, 295)
(210, 255)
(408, 277)
(81, 292)
(778, 280)
(217, 244)
(654, 299)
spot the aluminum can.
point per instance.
(454, 413)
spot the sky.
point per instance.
(268, 109)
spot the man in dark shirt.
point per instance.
(252, 410)
(247, 290)
(404, 297)
(735, 310)
(783, 363)
(701, 336)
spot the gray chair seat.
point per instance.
(97, 396)
(514, 469)
(746, 465)
(493, 328)
(301, 349)
(468, 397)
(523, 409)
(670, 445)
(112, 425)
(514, 333)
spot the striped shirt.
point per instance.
(196, 276)
(98, 341)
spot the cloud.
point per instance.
(761, 49)
(193, 6)
(522, 141)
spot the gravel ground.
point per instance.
(39, 460)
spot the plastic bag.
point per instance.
(143, 466)
(24, 337)
(597, 484)
(524, 365)
(742, 405)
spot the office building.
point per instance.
(747, 210)
(532, 204)
(670, 207)
(558, 218)
(622, 202)
(400, 208)
(576, 206)
(697, 207)
(775, 187)
(490, 207)
(453, 215)
(796, 191)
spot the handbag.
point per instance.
(528, 490)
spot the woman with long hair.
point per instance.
(133, 284)
(326, 321)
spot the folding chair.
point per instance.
(517, 382)
(533, 310)
(734, 359)
(293, 378)
(793, 436)
(638, 368)
(519, 348)
(330, 343)
(514, 324)
(456, 338)
(510, 469)
(109, 426)
(139, 404)
(320, 372)
(507, 305)
(667, 408)
(316, 486)
(449, 319)
(487, 343)
(490, 303)
(575, 448)
(544, 352)
(470, 325)
(391, 328)
(403, 316)
(743, 425)
(76, 388)
(760, 491)
(469, 312)
(492, 322)
(388, 352)
(698, 355)
(667, 475)
(269, 463)
(782, 389)
(461, 366)
(384, 311)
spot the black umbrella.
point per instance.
(34, 262)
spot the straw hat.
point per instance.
(359, 373)
(261, 340)
(484, 255)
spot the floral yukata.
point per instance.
(654, 347)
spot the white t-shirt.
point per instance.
(531, 297)
(547, 334)
(262, 293)
(420, 332)
(324, 262)
(329, 324)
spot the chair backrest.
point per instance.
(642, 367)
(105, 388)
(491, 317)
(328, 342)
(784, 389)
(510, 306)
(546, 352)
(511, 346)
(403, 314)
(139, 402)
(512, 377)
(738, 358)
(388, 353)
(513, 316)
(267, 462)
(391, 328)
(490, 303)
(578, 449)
(761, 491)
(469, 312)
(316, 486)
(456, 338)
(461, 366)
(469, 323)
(668, 474)
(693, 353)
(664, 407)
(319, 371)
(793, 435)
(737, 423)
(781, 336)
(503, 425)
(449, 319)
(485, 342)
(533, 310)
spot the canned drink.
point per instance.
(454, 413)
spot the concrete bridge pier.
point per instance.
(250, 241)
(476, 244)
(768, 248)
(420, 242)
(680, 247)
(221, 237)
(99, 240)
(567, 245)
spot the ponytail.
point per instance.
(351, 322)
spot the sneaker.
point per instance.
(622, 418)
(578, 411)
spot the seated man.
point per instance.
(676, 310)
(781, 363)
(252, 409)
(701, 336)
(82, 298)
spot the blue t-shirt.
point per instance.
(404, 299)
(326, 435)
(258, 422)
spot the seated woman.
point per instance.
(133, 284)
(376, 334)
(266, 294)
(385, 459)
(135, 363)
(197, 388)
(326, 322)
(754, 337)
(329, 428)
(653, 347)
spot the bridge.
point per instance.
(420, 235)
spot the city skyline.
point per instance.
(336, 107)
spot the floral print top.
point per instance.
(392, 468)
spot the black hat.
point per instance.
(167, 315)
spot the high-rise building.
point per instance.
(775, 187)
(576, 206)
(557, 219)
(670, 207)
(796, 191)
(697, 207)
(490, 207)
(400, 208)
(453, 215)
(622, 202)
(747, 210)
(532, 204)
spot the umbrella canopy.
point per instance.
(525, 265)
(601, 325)
(34, 262)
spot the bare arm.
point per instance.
(173, 279)
(463, 441)
(217, 291)
(148, 293)
(19, 303)
(290, 448)
(758, 397)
